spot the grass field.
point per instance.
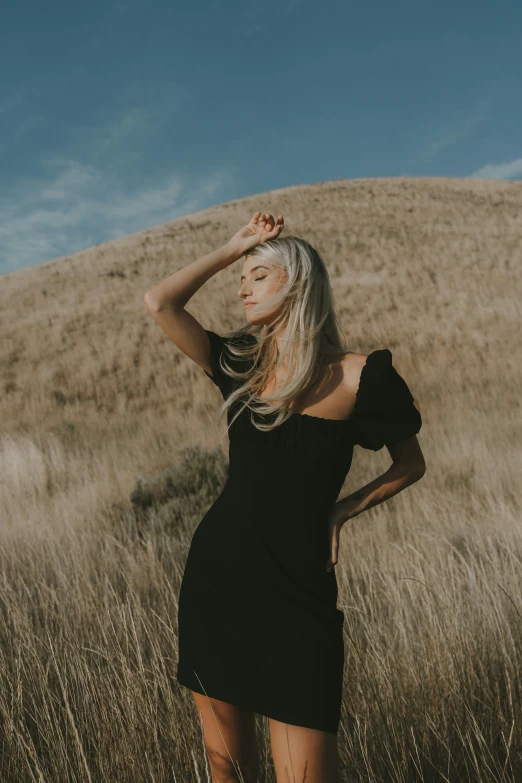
(110, 455)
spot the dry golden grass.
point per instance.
(96, 401)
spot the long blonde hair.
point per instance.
(312, 334)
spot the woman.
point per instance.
(259, 629)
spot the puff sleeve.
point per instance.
(219, 377)
(218, 353)
(384, 411)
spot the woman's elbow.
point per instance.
(417, 470)
(151, 304)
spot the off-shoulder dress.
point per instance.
(258, 622)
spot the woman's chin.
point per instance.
(251, 317)
(255, 320)
(259, 318)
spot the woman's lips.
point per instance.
(248, 304)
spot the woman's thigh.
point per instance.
(229, 734)
(301, 754)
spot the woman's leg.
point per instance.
(301, 754)
(230, 740)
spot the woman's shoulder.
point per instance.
(370, 375)
(374, 363)
(353, 365)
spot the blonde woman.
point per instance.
(259, 628)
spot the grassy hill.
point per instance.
(95, 396)
(426, 267)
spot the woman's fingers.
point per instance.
(279, 225)
(266, 224)
(255, 219)
(274, 226)
(334, 547)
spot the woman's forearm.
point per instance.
(394, 480)
(177, 289)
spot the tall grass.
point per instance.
(433, 634)
(108, 461)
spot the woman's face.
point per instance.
(260, 280)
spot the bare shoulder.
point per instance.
(353, 364)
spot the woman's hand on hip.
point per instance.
(340, 514)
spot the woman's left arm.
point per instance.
(407, 467)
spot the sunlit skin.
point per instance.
(300, 755)
(260, 281)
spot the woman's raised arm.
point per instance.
(166, 301)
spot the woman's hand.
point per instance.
(260, 229)
(341, 513)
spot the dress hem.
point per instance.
(246, 705)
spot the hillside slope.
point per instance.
(427, 267)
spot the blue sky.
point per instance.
(119, 116)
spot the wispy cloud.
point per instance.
(74, 204)
(513, 168)
(79, 205)
(130, 121)
(140, 110)
(458, 129)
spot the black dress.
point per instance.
(258, 623)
